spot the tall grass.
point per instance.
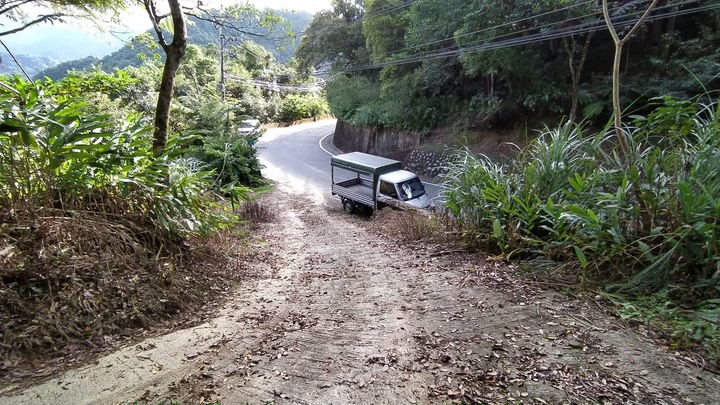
(637, 222)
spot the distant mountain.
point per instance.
(45, 46)
(32, 64)
(59, 71)
(199, 33)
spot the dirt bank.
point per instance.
(334, 313)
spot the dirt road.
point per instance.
(334, 313)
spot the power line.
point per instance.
(17, 62)
(505, 24)
(599, 22)
(289, 88)
(408, 3)
(382, 11)
(595, 26)
(534, 38)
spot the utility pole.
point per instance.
(223, 41)
(222, 62)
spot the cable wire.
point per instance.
(534, 38)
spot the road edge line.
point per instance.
(321, 142)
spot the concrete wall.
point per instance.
(377, 141)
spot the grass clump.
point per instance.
(256, 212)
(417, 225)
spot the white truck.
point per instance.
(364, 180)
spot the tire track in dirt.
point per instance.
(337, 314)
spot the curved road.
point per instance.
(296, 160)
(292, 157)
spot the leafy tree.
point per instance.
(297, 106)
(233, 158)
(79, 83)
(577, 55)
(526, 76)
(59, 71)
(175, 50)
(334, 37)
(384, 27)
(347, 94)
(198, 74)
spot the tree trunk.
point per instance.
(576, 70)
(173, 54)
(665, 55)
(617, 109)
(619, 42)
(162, 109)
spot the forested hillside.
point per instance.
(125, 192)
(482, 63)
(32, 64)
(45, 46)
(200, 32)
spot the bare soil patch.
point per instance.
(333, 311)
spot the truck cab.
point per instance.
(401, 186)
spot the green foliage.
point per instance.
(59, 71)
(76, 84)
(479, 63)
(683, 326)
(331, 39)
(347, 94)
(643, 225)
(54, 156)
(299, 106)
(405, 106)
(232, 158)
(384, 32)
(200, 32)
(637, 222)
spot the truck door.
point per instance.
(387, 189)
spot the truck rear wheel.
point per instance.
(348, 206)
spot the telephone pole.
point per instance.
(223, 41)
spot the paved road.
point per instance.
(294, 157)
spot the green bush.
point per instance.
(638, 221)
(232, 158)
(296, 107)
(55, 157)
(644, 226)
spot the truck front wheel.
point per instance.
(348, 206)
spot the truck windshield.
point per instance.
(412, 188)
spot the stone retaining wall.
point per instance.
(377, 141)
(423, 162)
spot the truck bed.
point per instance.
(358, 190)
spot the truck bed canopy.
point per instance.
(363, 162)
